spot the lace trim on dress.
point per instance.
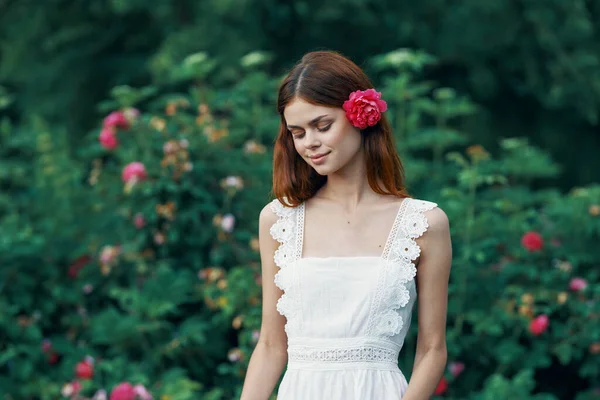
(284, 231)
(345, 354)
(400, 268)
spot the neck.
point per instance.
(349, 186)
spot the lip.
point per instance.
(318, 158)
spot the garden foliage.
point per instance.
(132, 258)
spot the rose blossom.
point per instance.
(234, 355)
(539, 324)
(84, 370)
(100, 395)
(532, 241)
(123, 391)
(70, 389)
(228, 222)
(142, 392)
(441, 387)
(134, 170)
(108, 254)
(364, 108)
(46, 345)
(456, 368)
(131, 114)
(577, 284)
(116, 119)
(108, 138)
(139, 221)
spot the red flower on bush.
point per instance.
(539, 324)
(532, 241)
(123, 391)
(84, 370)
(441, 387)
(53, 357)
(108, 138)
(577, 284)
(364, 108)
(134, 171)
(116, 119)
(139, 221)
(77, 265)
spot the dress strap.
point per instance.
(410, 224)
(393, 288)
(287, 230)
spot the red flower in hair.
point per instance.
(364, 108)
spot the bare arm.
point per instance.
(270, 354)
(433, 273)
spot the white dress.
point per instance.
(347, 317)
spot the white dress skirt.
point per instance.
(347, 317)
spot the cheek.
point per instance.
(348, 140)
(299, 148)
(339, 137)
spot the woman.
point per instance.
(345, 250)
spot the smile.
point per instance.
(319, 158)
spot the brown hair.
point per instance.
(327, 78)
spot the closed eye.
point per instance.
(324, 129)
(300, 135)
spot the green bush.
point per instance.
(156, 280)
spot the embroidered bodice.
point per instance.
(352, 311)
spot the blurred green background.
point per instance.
(153, 281)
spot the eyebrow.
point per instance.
(311, 123)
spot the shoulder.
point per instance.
(268, 214)
(273, 211)
(436, 218)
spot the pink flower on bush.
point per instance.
(139, 221)
(108, 138)
(108, 254)
(577, 284)
(123, 391)
(456, 368)
(71, 389)
(134, 172)
(228, 222)
(235, 355)
(100, 395)
(116, 119)
(532, 241)
(142, 392)
(46, 345)
(364, 108)
(131, 114)
(539, 324)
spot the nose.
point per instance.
(311, 139)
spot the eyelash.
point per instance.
(325, 129)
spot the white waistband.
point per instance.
(328, 365)
(343, 353)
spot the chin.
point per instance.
(323, 170)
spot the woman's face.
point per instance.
(322, 136)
